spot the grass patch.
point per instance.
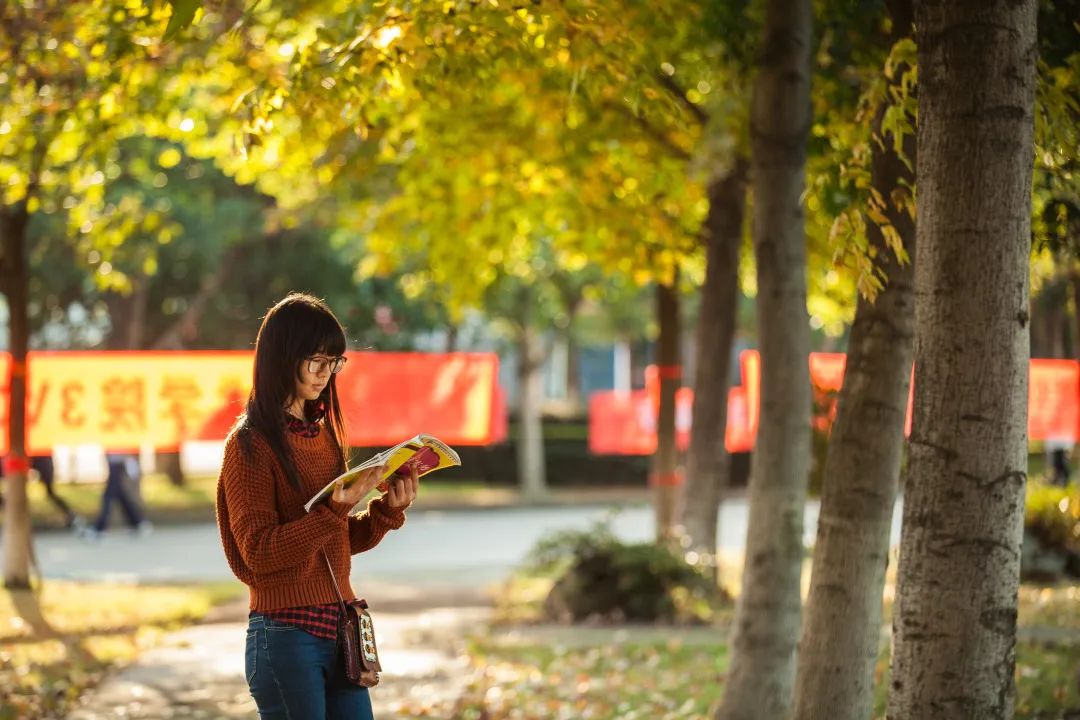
(1056, 606)
(617, 679)
(57, 642)
(685, 678)
(610, 677)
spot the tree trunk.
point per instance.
(954, 622)
(15, 276)
(530, 446)
(665, 471)
(573, 373)
(121, 309)
(767, 616)
(707, 459)
(842, 631)
(186, 328)
(137, 324)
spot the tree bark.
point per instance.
(140, 295)
(573, 373)
(530, 446)
(121, 309)
(954, 623)
(767, 615)
(15, 276)
(707, 459)
(842, 630)
(665, 471)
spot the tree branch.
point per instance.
(651, 130)
(673, 87)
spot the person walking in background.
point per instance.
(46, 472)
(1057, 453)
(289, 444)
(120, 484)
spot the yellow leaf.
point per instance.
(170, 157)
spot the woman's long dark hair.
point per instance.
(300, 325)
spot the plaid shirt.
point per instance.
(319, 620)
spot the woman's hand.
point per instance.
(361, 486)
(402, 491)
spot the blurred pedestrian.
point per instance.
(1057, 452)
(43, 466)
(286, 446)
(121, 486)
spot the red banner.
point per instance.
(123, 400)
(625, 423)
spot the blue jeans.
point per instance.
(122, 469)
(294, 675)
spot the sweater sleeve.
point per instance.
(369, 527)
(266, 545)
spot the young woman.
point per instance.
(284, 448)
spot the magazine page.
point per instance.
(425, 452)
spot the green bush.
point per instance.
(1052, 514)
(599, 577)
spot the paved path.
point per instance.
(453, 548)
(198, 672)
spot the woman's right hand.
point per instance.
(360, 487)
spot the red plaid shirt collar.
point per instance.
(309, 427)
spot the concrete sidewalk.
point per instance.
(198, 672)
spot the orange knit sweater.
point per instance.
(272, 545)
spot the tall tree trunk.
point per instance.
(186, 327)
(573, 373)
(15, 276)
(140, 295)
(954, 623)
(530, 446)
(842, 630)
(707, 459)
(665, 471)
(121, 309)
(767, 616)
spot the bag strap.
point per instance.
(337, 591)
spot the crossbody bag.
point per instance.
(356, 639)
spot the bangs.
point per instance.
(325, 336)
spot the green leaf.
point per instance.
(183, 13)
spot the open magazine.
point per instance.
(424, 452)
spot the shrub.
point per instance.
(1051, 531)
(600, 578)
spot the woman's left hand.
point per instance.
(402, 491)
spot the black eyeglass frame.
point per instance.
(316, 364)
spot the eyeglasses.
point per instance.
(318, 365)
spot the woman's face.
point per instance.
(315, 371)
